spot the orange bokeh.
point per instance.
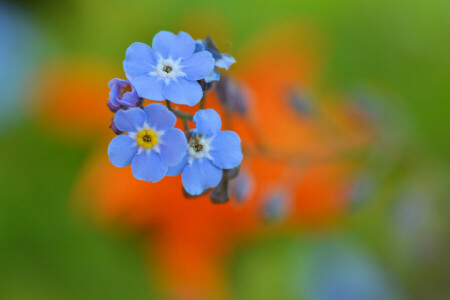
(71, 97)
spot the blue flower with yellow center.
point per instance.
(209, 151)
(168, 70)
(151, 144)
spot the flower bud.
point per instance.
(114, 128)
(122, 95)
(242, 187)
(275, 207)
(233, 95)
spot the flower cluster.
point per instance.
(179, 70)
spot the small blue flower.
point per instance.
(151, 143)
(122, 94)
(169, 70)
(223, 61)
(209, 151)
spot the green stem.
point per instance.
(182, 115)
(202, 102)
(178, 113)
(185, 125)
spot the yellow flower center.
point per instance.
(147, 138)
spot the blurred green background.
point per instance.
(396, 51)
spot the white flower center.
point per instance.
(199, 147)
(167, 69)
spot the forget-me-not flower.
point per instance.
(209, 151)
(151, 143)
(169, 70)
(221, 60)
(122, 94)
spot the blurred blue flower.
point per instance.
(242, 186)
(338, 271)
(170, 70)
(122, 94)
(301, 102)
(363, 187)
(275, 207)
(210, 150)
(223, 61)
(21, 44)
(151, 145)
(414, 222)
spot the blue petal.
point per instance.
(168, 44)
(213, 76)
(139, 60)
(149, 87)
(178, 169)
(148, 166)
(121, 150)
(183, 91)
(159, 117)
(173, 146)
(207, 122)
(130, 120)
(198, 66)
(225, 61)
(226, 150)
(184, 46)
(199, 46)
(162, 43)
(200, 175)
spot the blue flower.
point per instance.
(223, 61)
(209, 151)
(151, 143)
(169, 70)
(122, 94)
